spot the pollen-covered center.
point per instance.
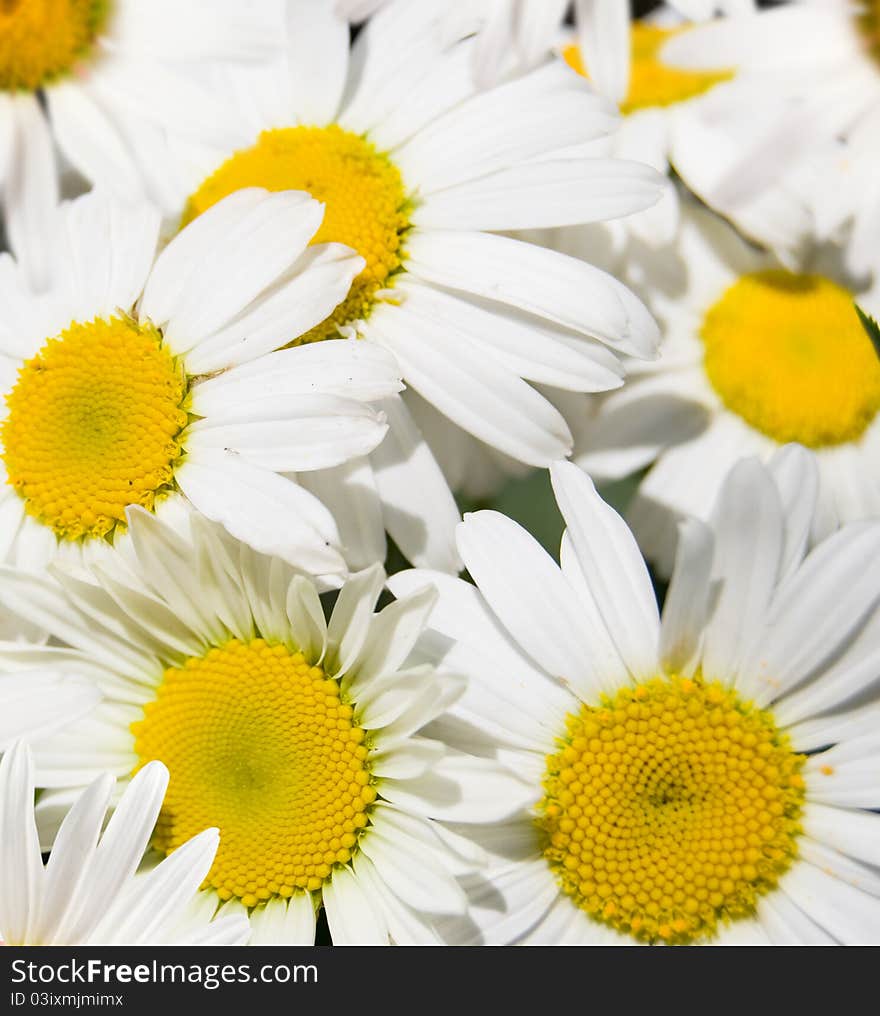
(41, 40)
(94, 424)
(261, 745)
(653, 82)
(366, 203)
(788, 354)
(670, 809)
(869, 25)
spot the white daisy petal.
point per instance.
(199, 283)
(319, 58)
(31, 190)
(541, 282)
(22, 879)
(687, 599)
(613, 567)
(346, 369)
(288, 435)
(749, 501)
(285, 922)
(810, 617)
(845, 912)
(485, 399)
(419, 510)
(353, 917)
(527, 592)
(270, 513)
(604, 38)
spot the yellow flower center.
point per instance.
(261, 745)
(366, 203)
(93, 425)
(41, 40)
(652, 82)
(670, 808)
(787, 353)
(869, 23)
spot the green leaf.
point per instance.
(871, 327)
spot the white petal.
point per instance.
(294, 302)
(285, 922)
(31, 190)
(35, 704)
(542, 282)
(687, 599)
(612, 565)
(352, 916)
(528, 593)
(291, 434)
(21, 866)
(225, 258)
(411, 874)
(348, 369)
(350, 493)
(748, 526)
(105, 249)
(270, 513)
(848, 914)
(604, 39)
(317, 59)
(484, 398)
(816, 610)
(305, 618)
(351, 618)
(419, 510)
(545, 194)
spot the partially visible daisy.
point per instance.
(808, 77)
(154, 380)
(302, 741)
(754, 356)
(418, 171)
(706, 779)
(89, 893)
(106, 81)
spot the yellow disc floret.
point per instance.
(93, 425)
(262, 745)
(652, 82)
(670, 808)
(788, 354)
(42, 40)
(366, 204)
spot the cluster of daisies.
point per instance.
(287, 283)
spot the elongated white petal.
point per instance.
(354, 918)
(272, 514)
(687, 600)
(541, 282)
(21, 866)
(613, 567)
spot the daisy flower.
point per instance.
(89, 892)
(104, 81)
(154, 380)
(418, 171)
(816, 67)
(754, 356)
(701, 780)
(301, 741)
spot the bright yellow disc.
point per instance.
(261, 745)
(652, 82)
(94, 425)
(41, 40)
(671, 808)
(366, 204)
(788, 354)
